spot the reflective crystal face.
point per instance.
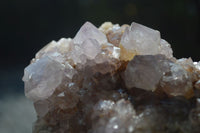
(113, 79)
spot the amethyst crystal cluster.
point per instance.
(113, 79)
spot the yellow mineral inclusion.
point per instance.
(126, 54)
(105, 27)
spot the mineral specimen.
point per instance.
(113, 79)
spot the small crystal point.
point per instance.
(89, 31)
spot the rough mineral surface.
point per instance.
(113, 79)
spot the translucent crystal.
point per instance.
(89, 31)
(165, 48)
(120, 121)
(56, 50)
(116, 52)
(76, 55)
(145, 71)
(91, 48)
(115, 33)
(42, 78)
(69, 71)
(88, 50)
(111, 51)
(177, 81)
(139, 39)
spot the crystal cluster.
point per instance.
(113, 79)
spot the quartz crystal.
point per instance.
(145, 71)
(113, 79)
(89, 31)
(42, 78)
(165, 49)
(139, 39)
